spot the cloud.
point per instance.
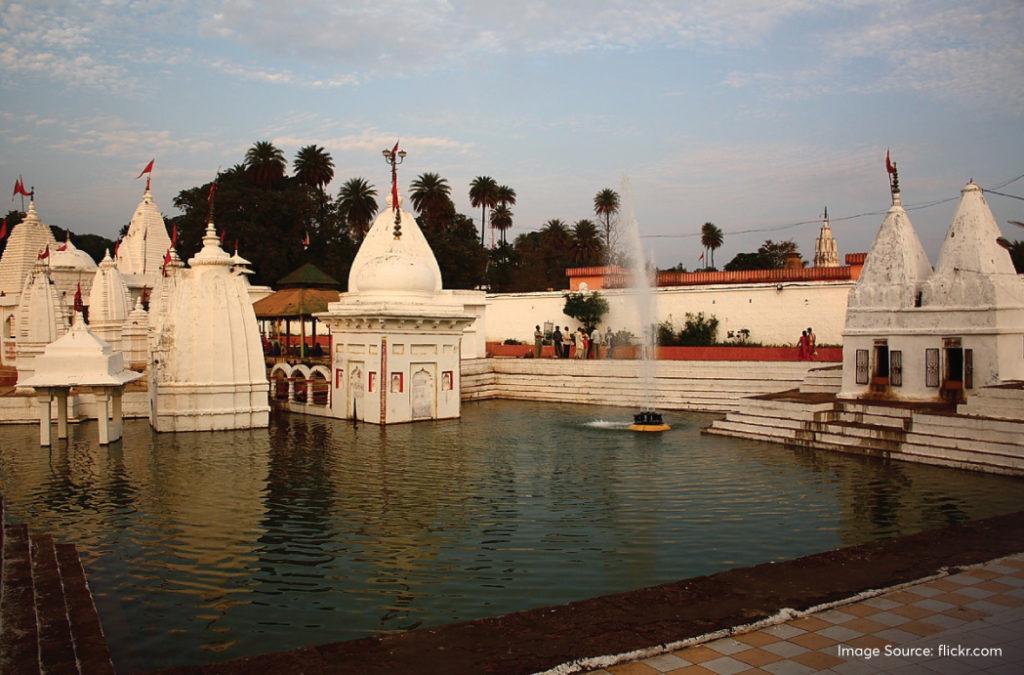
(372, 140)
(284, 77)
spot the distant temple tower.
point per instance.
(140, 257)
(28, 239)
(109, 303)
(41, 317)
(826, 250)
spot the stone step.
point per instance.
(91, 649)
(945, 444)
(56, 649)
(861, 407)
(966, 458)
(1004, 409)
(960, 426)
(19, 636)
(873, 419)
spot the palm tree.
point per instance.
(234, 172)
(431, 196)
(483, 192)
(501, 220)
(606, 203)
(711, 238)
(587, 247)
(266, 163)
(505, 196)
(357, 203)
(313, 166)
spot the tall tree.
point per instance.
(504, 196)
(431, 197)
(313, 166)
(587, 247)
(483, 192)
(357, 205)
(606, 205)
(266, 163)
(501, 220)
(711, 237)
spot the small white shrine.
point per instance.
(917, 335)
(41, 317)
(207, 370)
(396, 336)
(826, 249)
(71, 268)
(109, 302)
(25, 242)
(80, 360)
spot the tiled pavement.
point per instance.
(980, 607)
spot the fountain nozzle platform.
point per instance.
(648, 420)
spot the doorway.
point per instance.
(423, 393)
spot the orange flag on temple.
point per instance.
(148, 169)
(43, 255)
(79, 305)
(394, 182)
(167, 261)
(888, 163)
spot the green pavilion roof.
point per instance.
(308, 276)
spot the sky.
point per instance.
(749, 114)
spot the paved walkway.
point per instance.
(931, 623)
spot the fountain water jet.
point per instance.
(642, 283)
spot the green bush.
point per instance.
(699, 331)
(587, 309)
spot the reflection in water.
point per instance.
(215, 545)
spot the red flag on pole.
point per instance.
(148, 169)
(44, 254)
(167, 261)
(19, 189)
(117, 245)
(888, 163)
(305, 241)
(3, 230)
(79, 305)
(701, 258)
(174, 235)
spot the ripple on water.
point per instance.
(217, 545)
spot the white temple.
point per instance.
(918, 335)
(71, 268)
(109, 302)
(140, 257)
(41, 317)
(826, 249)
(396, 336)
(25, 242)
(207, 370)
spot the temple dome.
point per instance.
(27, 239)
(109, 301)
(69, 257)
(973, 269)
(896, 266)
(143, 248)
(394, 266)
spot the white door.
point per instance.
(422, 394)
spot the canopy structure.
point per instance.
(303, 293)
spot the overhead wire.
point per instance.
(786, 226)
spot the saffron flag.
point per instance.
(174, 235)
(701, 258)
(394, 180)
(888, 163)
(19, 189)
(148, 169)
(44, 254)
(3, 230)
(79, 305)
(210, 196)
(167, 261)
(305, 241)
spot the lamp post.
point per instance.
(394, 157)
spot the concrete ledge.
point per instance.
(531, 641)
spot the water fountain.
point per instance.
(641, 282)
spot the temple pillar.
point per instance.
(62, 413)
(117, 426)
(43, 403)
(291, 390)
(103, 414)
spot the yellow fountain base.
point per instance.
(649, 427)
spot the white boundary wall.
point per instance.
(774, 314)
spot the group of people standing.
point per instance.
(806, 345)
(586, 345)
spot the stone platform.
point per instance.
(709, 386)
(985, 434)
(48, 622)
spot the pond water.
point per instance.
(209, 546)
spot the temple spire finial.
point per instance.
(894, 179)
(394, 157)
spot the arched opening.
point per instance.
(300, 384)
(423, 394)
(280, 388)
(320, 388)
